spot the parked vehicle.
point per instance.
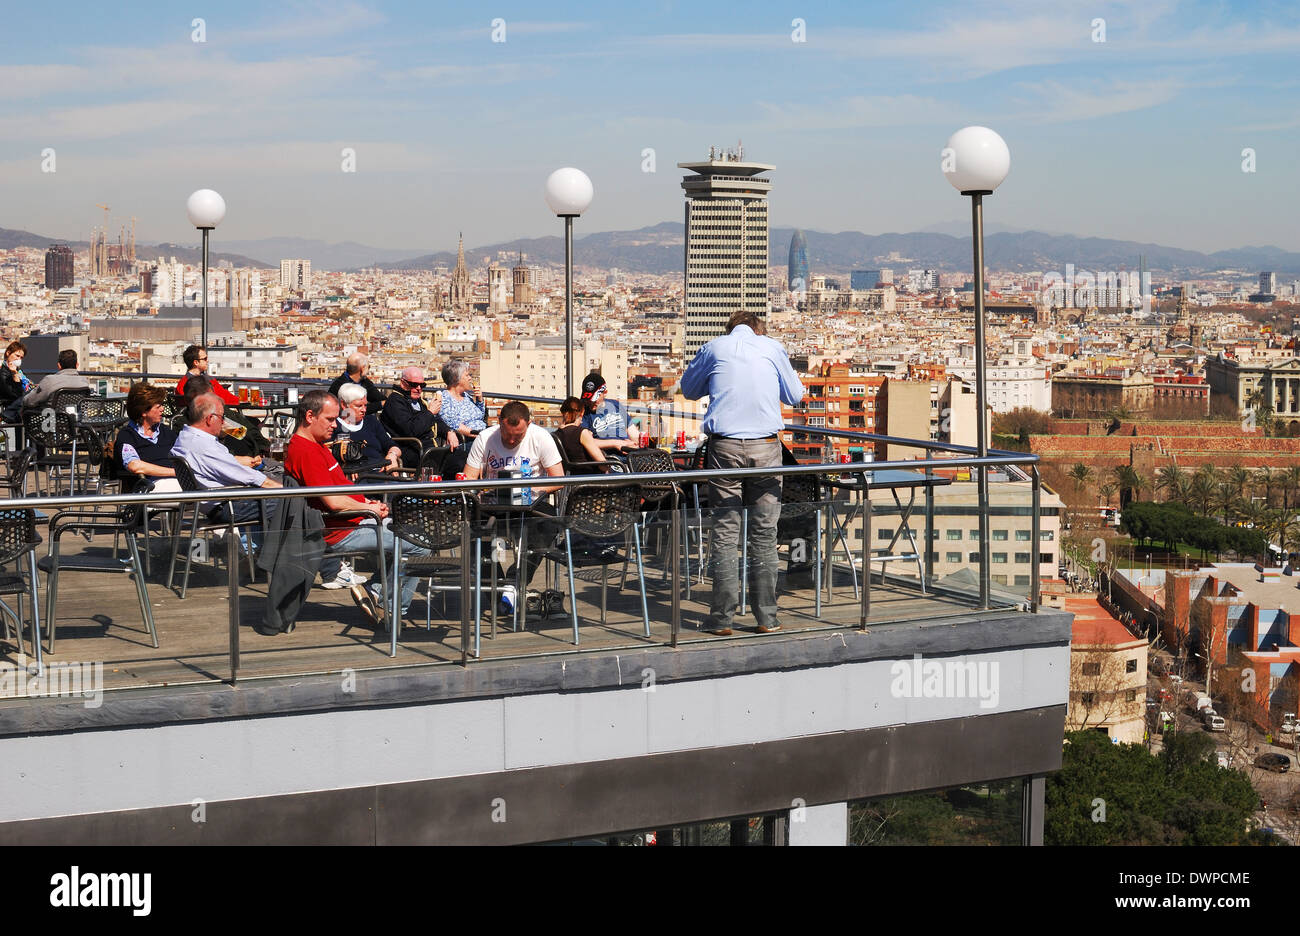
(1214, 721)
(1277, 763)
(1288, 723)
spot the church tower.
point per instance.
(458, 297)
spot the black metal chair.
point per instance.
(124, 521)
(435, 522)
(658, 496)
(54, 434)
(18, 542)
(203, 525)
(601, 512)
(101, 413)
(579, 466)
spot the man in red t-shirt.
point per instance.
(196, 362)
(308, 460)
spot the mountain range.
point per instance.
(10, 239)
(658, 249)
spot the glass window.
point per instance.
(884, 533)
(954, 557)
(1046, 535)
(975, 535)
(979, 814)
(1023, 558)
(1092, 669)
(999, 535)
(1046, 558)
(1130, 666)
(1022, 536)
(973, 557)
(952, 534)
(999, 580)
(1000, 558)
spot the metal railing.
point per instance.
(941, 458)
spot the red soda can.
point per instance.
(844, 458)
(460, 476)
(681, 439)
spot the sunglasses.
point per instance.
(414, 384)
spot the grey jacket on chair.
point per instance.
(291, 555)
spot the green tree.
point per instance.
(1082, 476)
(1120, 794)
(1169, 479)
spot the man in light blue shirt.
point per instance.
(746, 376)
(211, 462)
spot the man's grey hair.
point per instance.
(201, 407)
(453, 371)
(350, 393)
(413, 373)
(356, 361)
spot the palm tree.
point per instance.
(1225, 500)
(1081, 474)
(1202, 493)
(1168, 480)
(1238, 477)
(1265, 479)
(1107, 491)
(1290, 484)
(1182, 490)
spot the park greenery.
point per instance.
(1121, 794)
(1172, 522)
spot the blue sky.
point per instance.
(1138, 137)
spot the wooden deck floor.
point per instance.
(99, 620)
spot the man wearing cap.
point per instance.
(605, 418)
(746, 376)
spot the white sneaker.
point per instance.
(346, 577)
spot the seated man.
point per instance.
(406, 415)
(355, 373)
(143, 447)
(239, 433)
(212, 463)
(505, 445)
(309, 461)
(605, 418)
(65, 378)
(196, 362)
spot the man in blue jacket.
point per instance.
(746, 376)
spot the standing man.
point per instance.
(309, 461)
(196, 362)
(356, 372)
(746, 376)
(406, 415)
(65, 378)
(606, 418)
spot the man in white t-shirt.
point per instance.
(509, 442)
(506, 445)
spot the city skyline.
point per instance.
(1137, 137)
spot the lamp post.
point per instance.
(975, 162)
(205, 209)
(568, 193)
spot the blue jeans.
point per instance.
(365, 537)
(762, 497)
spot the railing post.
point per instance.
(675, 558)
(466, 582)
(931, 544)
(232, 580)
(1035, 533)
(866, 550)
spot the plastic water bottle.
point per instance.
(526, 472)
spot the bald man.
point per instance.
(357, 372)
(406, 415)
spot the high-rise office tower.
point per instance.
(1268, 284)
(58, 266)
(295, 275)
(864, 279)
(797, 268)
(726, 243)
(458, 294)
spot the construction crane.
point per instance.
(133, 238)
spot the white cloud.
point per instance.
(857, 111)
(1061, 103)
